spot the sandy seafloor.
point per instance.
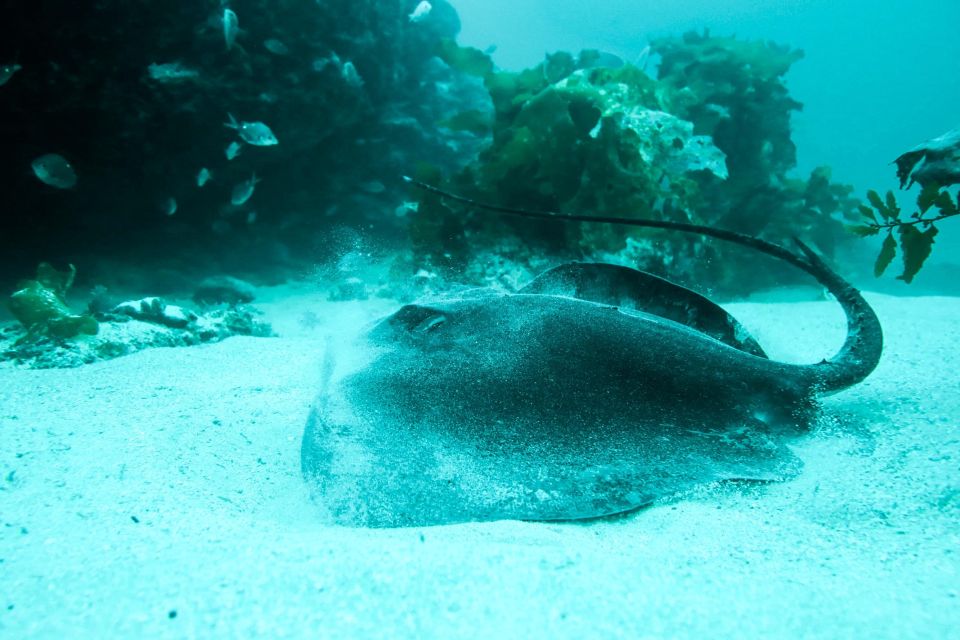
(201, 445)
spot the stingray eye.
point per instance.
(431, 324)
(417, 319)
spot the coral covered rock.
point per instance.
(707, 141)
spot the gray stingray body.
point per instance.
(594, 391)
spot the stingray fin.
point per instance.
(641, 291)
(621, 512)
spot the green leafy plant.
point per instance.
(562, 136)
(935, 166)
(40, 305)
(707, 142)
(733, 91)
(916, 233)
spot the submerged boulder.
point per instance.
(156, 311)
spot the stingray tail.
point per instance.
(861, 350)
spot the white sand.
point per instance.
(202, 446)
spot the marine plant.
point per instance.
(935, 167)
(706, 142)
(40, 305)
(567, 136)
(733, 91)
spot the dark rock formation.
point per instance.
(353, 96)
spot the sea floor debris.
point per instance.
(122, 333)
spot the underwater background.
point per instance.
(203, 200)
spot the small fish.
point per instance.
(243, 191)
(600, 59)
(254, 133)
(54, 170)
(351, 76)
(231, 25)
(642, 58)
(421, 12)
(373, 186)
(233, 150)
(204, 176)
(168, 206)
(171, 72)
(276, 47)
(405, 208)
(7, 71)
(322, 63)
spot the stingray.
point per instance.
(594, 391)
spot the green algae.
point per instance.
(40, 305)
(708, 141)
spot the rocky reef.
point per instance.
(706, 140)
(134, 97)
(242, 135)
(50, 335)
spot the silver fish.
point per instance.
(7, 71)
(276, 47)
(643, 58)
(54, 170)
(373, 186)
(233, 150)
(594, 59)
(350, 75)
(171, 72)
(231, 25)
(204, 176)
(168, 206)
(254, 133)
(421, 12)
(243, 191)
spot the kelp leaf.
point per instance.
(945, 203)
(887, 253)
(916, 246)
(558, 66)
(875, 200)
(867, 213)
(927, 197)
(892, 205)
(863, 230)
(473, 120)
(469, 60)
(889, 209)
